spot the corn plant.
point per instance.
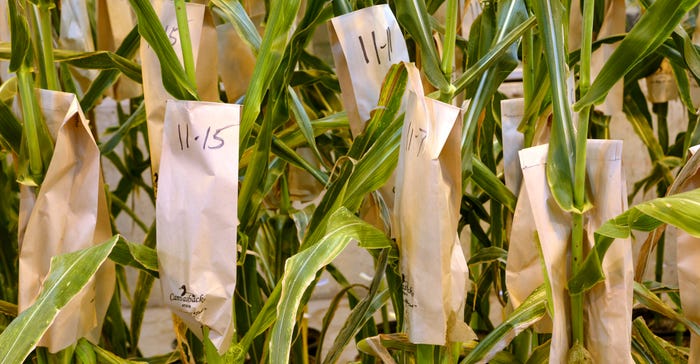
(293, 101)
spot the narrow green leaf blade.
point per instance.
(300, 270)
(652, 29)
(69, 273)
(529, 312)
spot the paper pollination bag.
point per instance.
(428, 195)
(688, 253)
(365, 43)
(523, 270)
(204, 39)
(196, 215)
(69, 213)
(608, 306)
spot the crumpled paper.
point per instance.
(428, 195)
(69, 213)
(196, 215)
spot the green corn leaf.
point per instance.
(303, 121)
(655, 348)
(106, 78)
(300, 270)
(376, 149)
(104, 356)
(528, 313)
(681, 210)
(510, 14)
(650, 300)
(175, 80)
(135, 255)
(562, 148)
(272, 48)
(235, 14)
(69, 273)
(414, 17)
(101, 60)
(7, 308)
(142, 293)
(362, 312)
(10, 129)
(136, 119)
(19, 36)
(488, 255)
(289, 155)
(492, 56)
(652, 29)
(84, 354)
(494, 187)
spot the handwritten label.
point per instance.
(370, 42)
(211, 140)
(387, 46)
(415, 139)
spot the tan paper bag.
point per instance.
(613, 24)
(523, 268)
(428, 195)
(236, 62)
(68, 214)
(365, 43)
(114, 22)
(196, 213)
(688, 254)
(608, 306)
(203, 35)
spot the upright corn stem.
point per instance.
(46, 38)
(185, 42)
(448, 50)
(580, 169)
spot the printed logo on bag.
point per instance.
(188, 301)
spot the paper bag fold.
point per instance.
(688, 253)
